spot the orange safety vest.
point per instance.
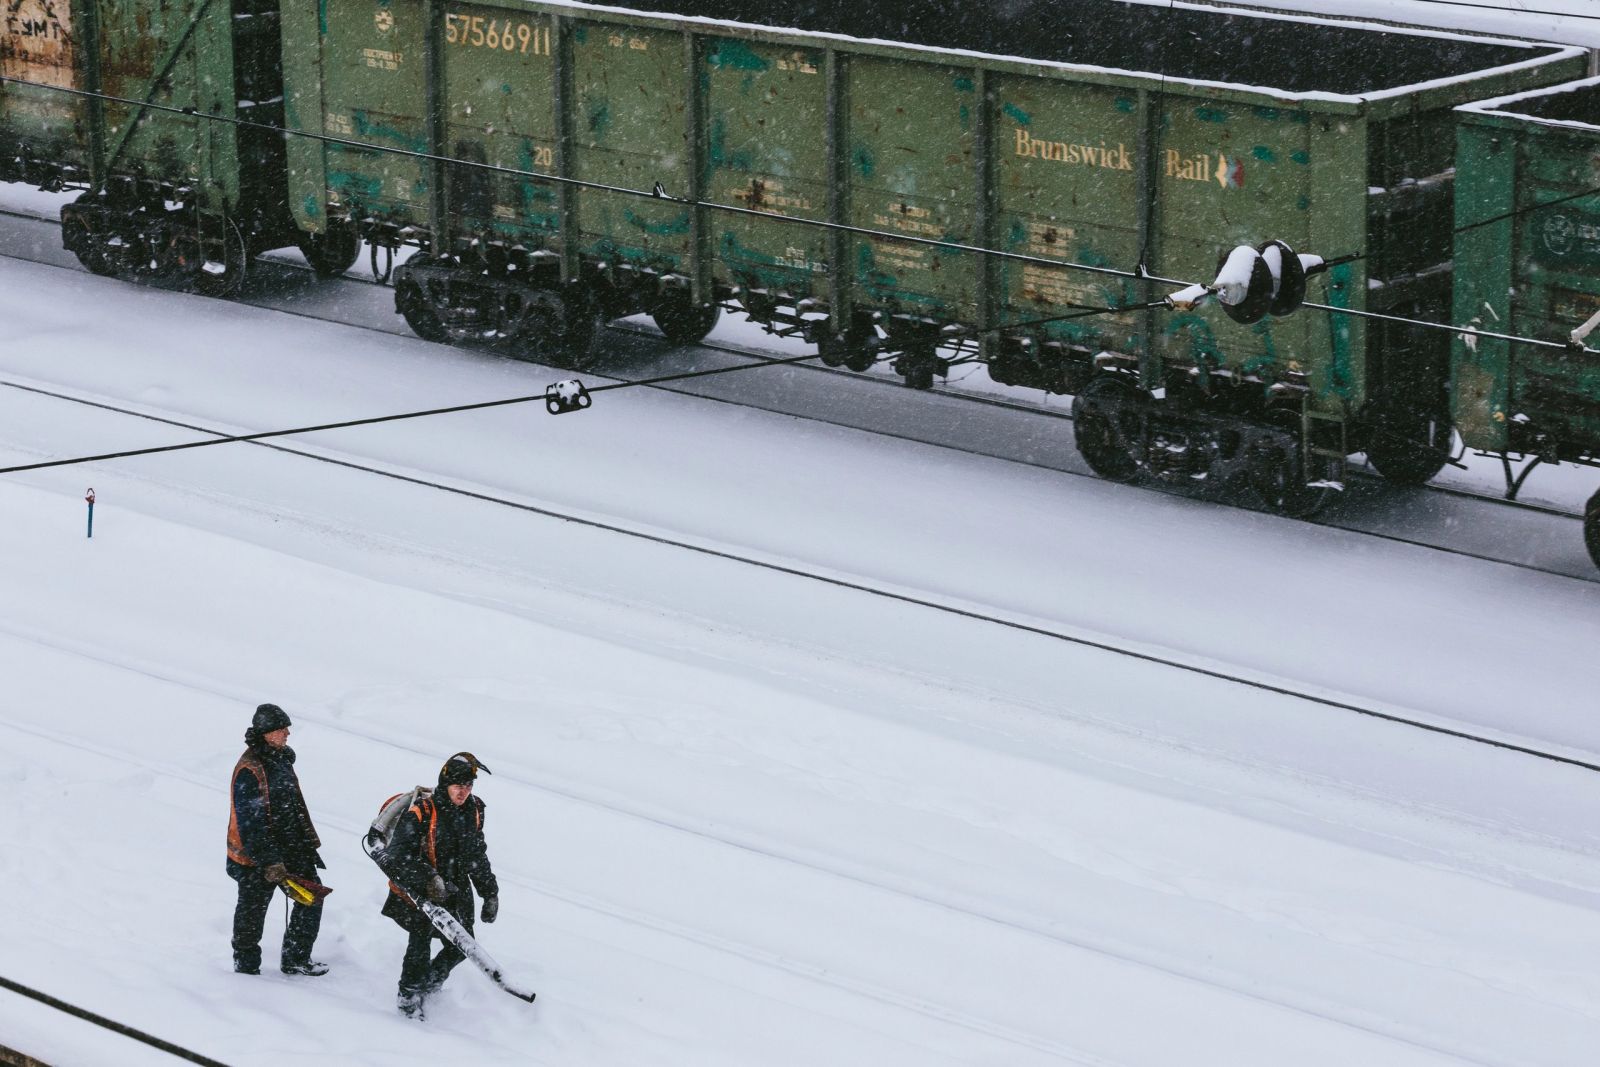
(430, 843)
(247, 762)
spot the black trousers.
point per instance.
(250, 918)
(420, 976)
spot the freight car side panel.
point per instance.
(1228, 173)
(766, 137)
(374, 65)
(38, 43)
(1557, 281)
(1069, 186)
(178, 54)
(630, 129)
(1485, 190)
(499, 88)
(910, 144)
(1528, 263)
(1335, 353)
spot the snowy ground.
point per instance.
(741, 816)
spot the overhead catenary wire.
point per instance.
(483, 405)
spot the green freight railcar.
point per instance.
(1528, 265)
(840, 187)
(135, 102)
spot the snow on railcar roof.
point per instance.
(1239, 49)
(1573, 104)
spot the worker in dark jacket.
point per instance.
(270, 838)
(437, 852)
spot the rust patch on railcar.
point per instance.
(36, 42)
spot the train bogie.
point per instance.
(144, 105)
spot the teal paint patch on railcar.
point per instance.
(1270, 114)
(1203, 349)
(1301, 156)
(735, 55)
(1265, 154)
(863, 161)
(1210, 114)
(1303, 203)
(1021, 117)
(677, 227)
(580, 34)
(717, 149)
(600, 119)
(964, 84)
(311, 206)
(354, 183)
(322, 17)
(365, 126)
(1340, 378)
(1127, 105)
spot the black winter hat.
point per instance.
(269, 717)
(460, 769)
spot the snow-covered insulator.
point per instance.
(566, 396)
(1244, 285)
(1252, 283)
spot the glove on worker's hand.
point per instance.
(438, 890)
(275, 873)
(491, 908)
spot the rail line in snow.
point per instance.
(104, 1023)
(1026, 410)
(785, 962)
(757, 357)
(1080, 637)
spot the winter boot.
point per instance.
(245, 967)
(309, 968)
(411, 1006)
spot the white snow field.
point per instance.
(742, 816)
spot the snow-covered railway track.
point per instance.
(94, 1019)
(869, 882)
(1207, 668)
(280, 270)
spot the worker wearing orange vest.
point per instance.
(438, 851)
(270, 838)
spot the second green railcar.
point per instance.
(1528, 265)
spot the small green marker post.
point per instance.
(90, 499)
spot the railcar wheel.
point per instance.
(223, 279)
(1106, 418)
(1275, 475)
(851, 349)
(77, 236)
(413, 306)
(558, 330)
(333, 251)
(684, 322)
(1591, 528)
(1409, 447)
(918, 366)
